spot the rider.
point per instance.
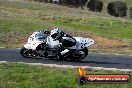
(68, 43)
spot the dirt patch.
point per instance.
(104, 42)
(101, 44)
(14, 38)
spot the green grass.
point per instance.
(36, 17)
(13, 75)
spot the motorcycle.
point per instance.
(43, 45)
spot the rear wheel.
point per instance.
(27, 53)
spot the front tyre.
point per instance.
(85, 53)
(82, 54)
(27, 53)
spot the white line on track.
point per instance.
(71, 66)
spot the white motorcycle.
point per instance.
(42, 44)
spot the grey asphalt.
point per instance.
(93, 60)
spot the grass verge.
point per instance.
(13, 75)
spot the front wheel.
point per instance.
(27, 53)
(81, 54)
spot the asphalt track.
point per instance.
(92, 60)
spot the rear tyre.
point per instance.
(27, 53)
